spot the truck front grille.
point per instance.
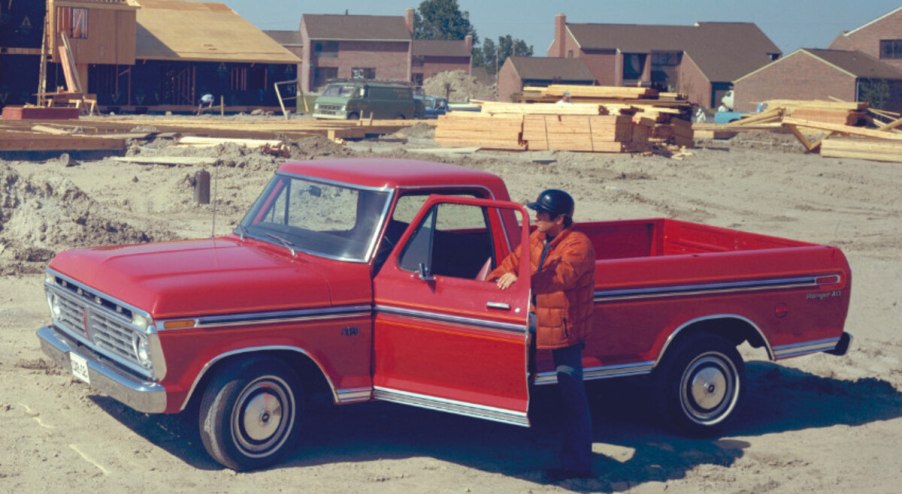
(98, 322)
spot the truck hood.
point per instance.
(202, 277)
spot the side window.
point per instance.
(453, 240)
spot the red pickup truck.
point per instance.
(365, 279)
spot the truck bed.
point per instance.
(658, 277)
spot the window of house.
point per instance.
(891, 48)
(73, 21)
(363, 73)
(325, 49)
(633, 66)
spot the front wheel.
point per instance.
(699, 384)
(249, 413)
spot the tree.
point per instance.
(492, 56)
(442, 19)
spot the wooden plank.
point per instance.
(44, 142)
(195, 141)
(843, 129)
(495, 108)
(167, 160)
(892, 125)
(868, 149)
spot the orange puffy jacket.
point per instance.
(564, 287)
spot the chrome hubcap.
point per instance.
(262, 416)
(709, 388)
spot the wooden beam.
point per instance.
(843, 129)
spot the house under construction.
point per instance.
(138, 55)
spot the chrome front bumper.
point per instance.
(143, 396)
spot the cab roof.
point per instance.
(395, 173)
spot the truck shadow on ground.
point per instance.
(638, 449)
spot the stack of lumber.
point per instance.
(498, 108)
(482, 130)
(601, 133)
(676, 131)
(862, 148)
(670, 112)
(838, 112)
(585, 94)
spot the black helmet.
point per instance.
(553, 202)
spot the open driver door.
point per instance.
(444, 339)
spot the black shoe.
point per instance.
(560, 474)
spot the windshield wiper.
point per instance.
(288, 245)
(242, 231)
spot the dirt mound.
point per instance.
(39, 217)
(313, 147)
(458, 86)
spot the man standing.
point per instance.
(562, 263)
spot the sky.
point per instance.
(791, 24)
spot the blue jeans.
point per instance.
(576, 423)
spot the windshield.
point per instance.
(328, 220)
(343, 90)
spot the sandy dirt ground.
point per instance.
(814, 424)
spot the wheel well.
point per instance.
(317, 389)
(735, 329)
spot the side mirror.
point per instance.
(424, 272)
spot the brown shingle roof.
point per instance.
(552, 69)
(440, 48)
(724, 51)
(355, 27)
(859, 64)
(286, 38)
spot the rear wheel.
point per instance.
(353, 116)
(249, 413)
(699, 384)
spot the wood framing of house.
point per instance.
(155, 55)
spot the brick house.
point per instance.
(822, 74)
(517, 72)
(701, 60)
(880, 38)
(355, 46)
(431, 56)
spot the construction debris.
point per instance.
(833, 128)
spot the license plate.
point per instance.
(79, 367)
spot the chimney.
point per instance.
(408, 20)
(468, 40)
(560, 33)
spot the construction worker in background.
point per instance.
(206, 102)
(565, 99)
(562, 263)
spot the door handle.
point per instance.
(498, 305)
